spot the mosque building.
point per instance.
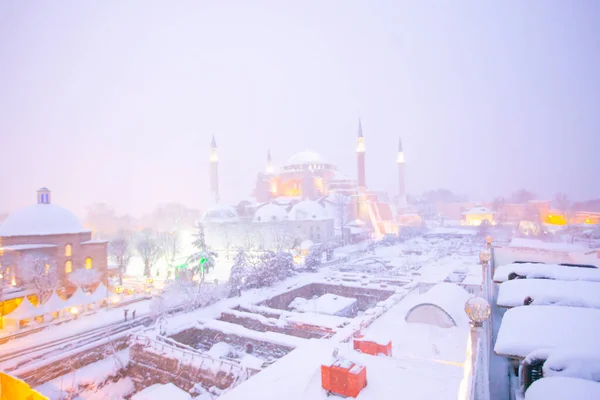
(309, 197)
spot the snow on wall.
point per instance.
(559, 388)
(549, 292)
(547, 271)
(529, 328)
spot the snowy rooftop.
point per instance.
(162, 392)
(270, 213)
(541, 245)
(547, 271)
(478, 211)
(20, 247)
(329, 304)
(549, 292)
(449, 297)
(306, 157)
(41, 219)
(450, 232)
(307, 210)
(560, 388)
(528, 328)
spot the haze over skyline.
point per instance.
(116, 102)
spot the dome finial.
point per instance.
(43, 195)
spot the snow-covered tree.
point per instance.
(312, 261)
(281, 236)
(82, 277)
(203, 260)
(282, 265)
(39, 271)
(340, 203)
(238, 274)
(148, 249)
(121, 251)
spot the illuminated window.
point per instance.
(88, 263)
(47, 268)
(68, 267)
(68, 250)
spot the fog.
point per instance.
(117, 101)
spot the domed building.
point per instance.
(52, 233)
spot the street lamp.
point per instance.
(488, 241)
(478, 310)
(485, 256)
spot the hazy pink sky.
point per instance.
(116, 101)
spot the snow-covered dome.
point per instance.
(270, 212)
(41, 219)
(307, 210)
(306, 157)
(221, 213)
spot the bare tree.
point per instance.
(522, 196)
(121, 251)
(281, 236)
(39, 271)
(498, 207)
(84, 277)
(148, 249)
(170, 244)
(341, 202)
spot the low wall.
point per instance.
(59, 367)
(366, 297)
(205, 338)
(256, 325)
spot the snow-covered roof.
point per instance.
(547, 271)
(21, 247)
(159, 391)
(478, 211)
(307, 210)
(306, 244)
(528, 328)
(269, 213)
(338, 176)
(572, 363)
(220, 213)
(306, 157)
(41, 219)
(54, 303)
(541, 245)
(562, 388)
(25, 310)
(449, 297)
(79, 298)
(549, 292)
(329, 304)
(100, 293)
(95, 241)
(450, 232)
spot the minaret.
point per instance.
(400, 162)
(214, 170)
(360, 155)
(269, 168)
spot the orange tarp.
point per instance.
(12, 388)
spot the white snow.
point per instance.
(111, 391)
(559, 388)
(162, 392)
(327, 321)
(307, 210)
(220, 349)
(547, 246)
(41, 219)
(79, 298)
(547, 271)
(95, 241)
(549, 292)
(528, 328)
(54, 303)
(449, 297)
(19, 247)
(569, 362)
(253, 362)
(269, 213)
(90, 374)
(329, 304)
(25, 310)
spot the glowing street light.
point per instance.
(478, 310)
(485, 256)
(488, 241)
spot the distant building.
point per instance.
(53, 233)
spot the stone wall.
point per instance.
(256, 325)
(75, 361)
(205, 338)
(367, 297)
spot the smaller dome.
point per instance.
(269, 213)
(307, 210)
(220, 213)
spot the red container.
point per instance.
(343, 378)
(373, 348)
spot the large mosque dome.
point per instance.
(307, 159)
(221, 213)
(41, 219)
